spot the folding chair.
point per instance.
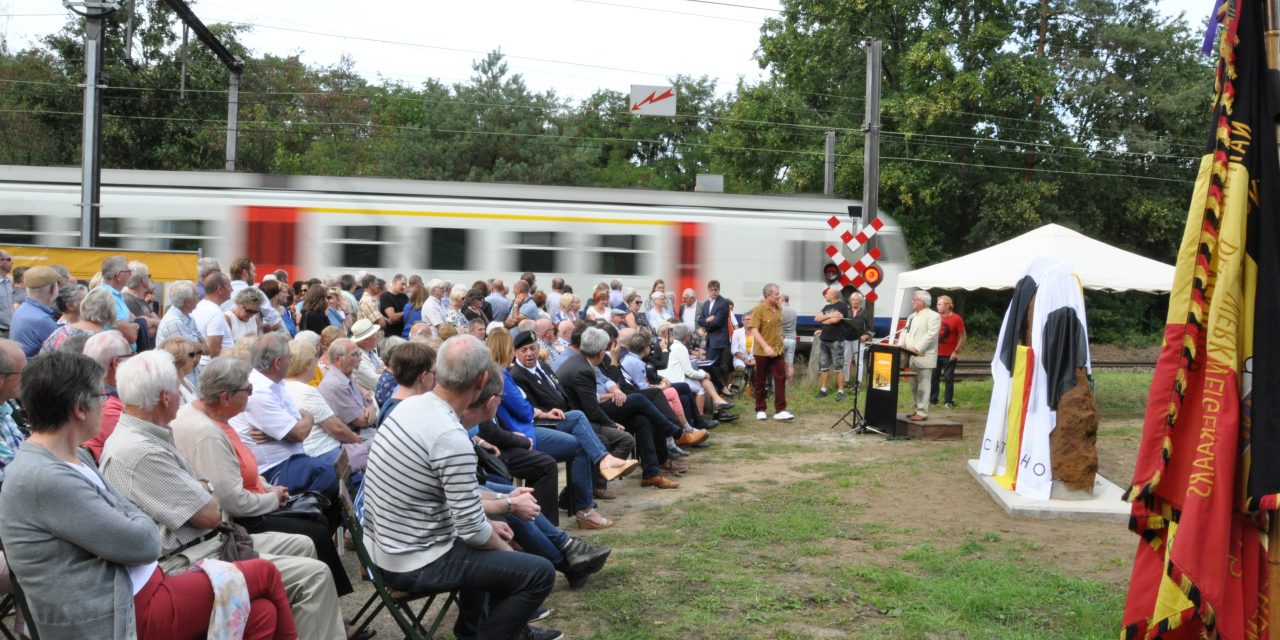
(8, 607)
(398, 603)
(21, 599)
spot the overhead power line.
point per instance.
(272, 127)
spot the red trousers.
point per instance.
(178, 607)
(775, 367)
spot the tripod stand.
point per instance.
(853, 418)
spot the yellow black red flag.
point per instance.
(1200, 566)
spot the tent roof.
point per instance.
(1099, 265)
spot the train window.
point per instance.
(807, 259)
(183, 235)
(620, 254)
(537, 251)
(447, 249)
(361, 246)
(111, 233)
(17, 229)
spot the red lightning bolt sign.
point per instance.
(652, 99)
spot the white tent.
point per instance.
(1099, 266)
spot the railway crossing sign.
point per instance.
(869, 274)
(647, 100)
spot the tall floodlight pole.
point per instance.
(90, 160)
(871, 145)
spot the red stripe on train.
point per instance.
(687, 237)
(271, 237)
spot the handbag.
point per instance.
(489, 466)
(308, 504)
(237, 544)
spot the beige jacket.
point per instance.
(922, 336)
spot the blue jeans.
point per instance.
(564, 448)
(537, 536)
(513, 583)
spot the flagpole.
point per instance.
(1271, 40)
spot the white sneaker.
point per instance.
(760, 415)
(783, 415)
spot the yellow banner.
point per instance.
(882, 371)
(165, 266)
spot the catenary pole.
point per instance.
(871, 146)
(829, 175)
(91, 142)
(233, 116)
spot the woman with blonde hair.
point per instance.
(186, 355)
(570, 306)
(457, 299)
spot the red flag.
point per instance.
(1200, 568)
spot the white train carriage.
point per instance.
(458, 231)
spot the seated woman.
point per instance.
(87, 559)
(186, 355)
(454, 315)
(97, 312)
(599, 309)
(245, 317)
(570, 308)
(313, 313)
(680, 370)
(216, 453)
(413, 310)
(658, 312)
(68, 303)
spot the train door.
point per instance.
(271, 239)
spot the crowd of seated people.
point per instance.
(154, 426)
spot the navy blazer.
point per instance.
(537, 392)
(718, 329)
(578, 379)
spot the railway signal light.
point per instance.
(830, 273)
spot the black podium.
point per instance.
(884, 361)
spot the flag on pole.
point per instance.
(1201, 568)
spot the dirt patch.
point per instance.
(920, 489)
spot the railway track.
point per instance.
(971, 369)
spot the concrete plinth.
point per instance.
(1106, 504)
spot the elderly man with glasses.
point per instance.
(339, 387)
(274, 428)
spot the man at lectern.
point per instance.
(920, 339)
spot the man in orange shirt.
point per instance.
(766, 332)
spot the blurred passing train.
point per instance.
(462, 232)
